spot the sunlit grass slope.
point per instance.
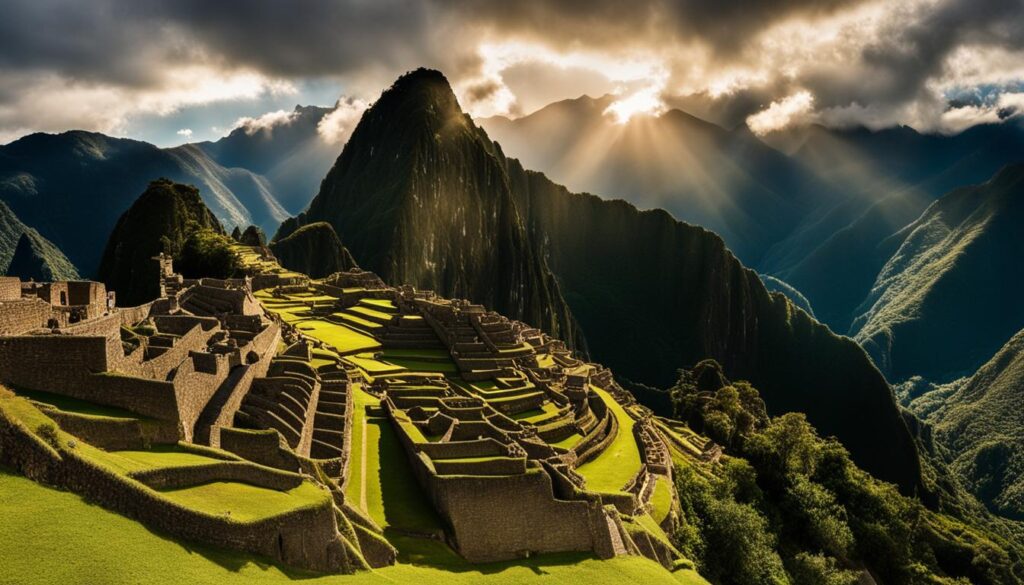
(49, 536)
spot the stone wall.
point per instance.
(10, 288)
(53, 363)
(21, 316)
(306, 538)
(506, 517)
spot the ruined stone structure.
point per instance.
(495, 444)
(499, 423)
(181, 368)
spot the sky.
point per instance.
(177, 71)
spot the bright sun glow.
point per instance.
(640, 78)
(646, 101)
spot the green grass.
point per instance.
(49, 536)
(74, 405)
(371, 365)
(661, 501)
(396, 499)
(164, 456)
(342, 338)
(568, 442)
(244, 502)
(357, 320)
(416, 365)
(546, 411)
(368, 312)
(416, 353)
(354, 488)
(612, 469)
(380, 303)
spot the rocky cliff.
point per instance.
(419, 195)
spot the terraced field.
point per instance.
(92, 545)
(448, 443)
(445, 393)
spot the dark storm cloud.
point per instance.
(123, 41)
(130, 45)
(725, 25)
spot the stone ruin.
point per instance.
(207, 364)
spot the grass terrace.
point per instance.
(340, 337)
(614, 467)
(246, 503)
(241, 501)
(165, 456)
(92, 545)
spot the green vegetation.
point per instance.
(170, 218)
(446, 367)
(340, 337)
(612, 469)
(207, 253)
(315, 250)
(244, 502)
(980, 420)
(164, 456)
(661, 501)
(74, 405)
(36, 258)
(791, 507)
(91, 545)
(395, 497)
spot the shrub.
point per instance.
(207, 253)
(808, 569)
(48, 432)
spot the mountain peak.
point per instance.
(35, 258)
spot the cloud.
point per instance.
(186, 132)
(782, 113)
(336, 126)
(103, 62)
(265, 122)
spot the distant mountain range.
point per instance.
(950, 294)
(725, 180)
(73, 186)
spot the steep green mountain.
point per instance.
(789, 503)
(949, 296)
(35, 258)
(72, 187)
(421, 195)
(834, 256)
(167, 217)
(313, 249)
(981, 421)
(290, 155)
(725, 180)
(11, 230)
